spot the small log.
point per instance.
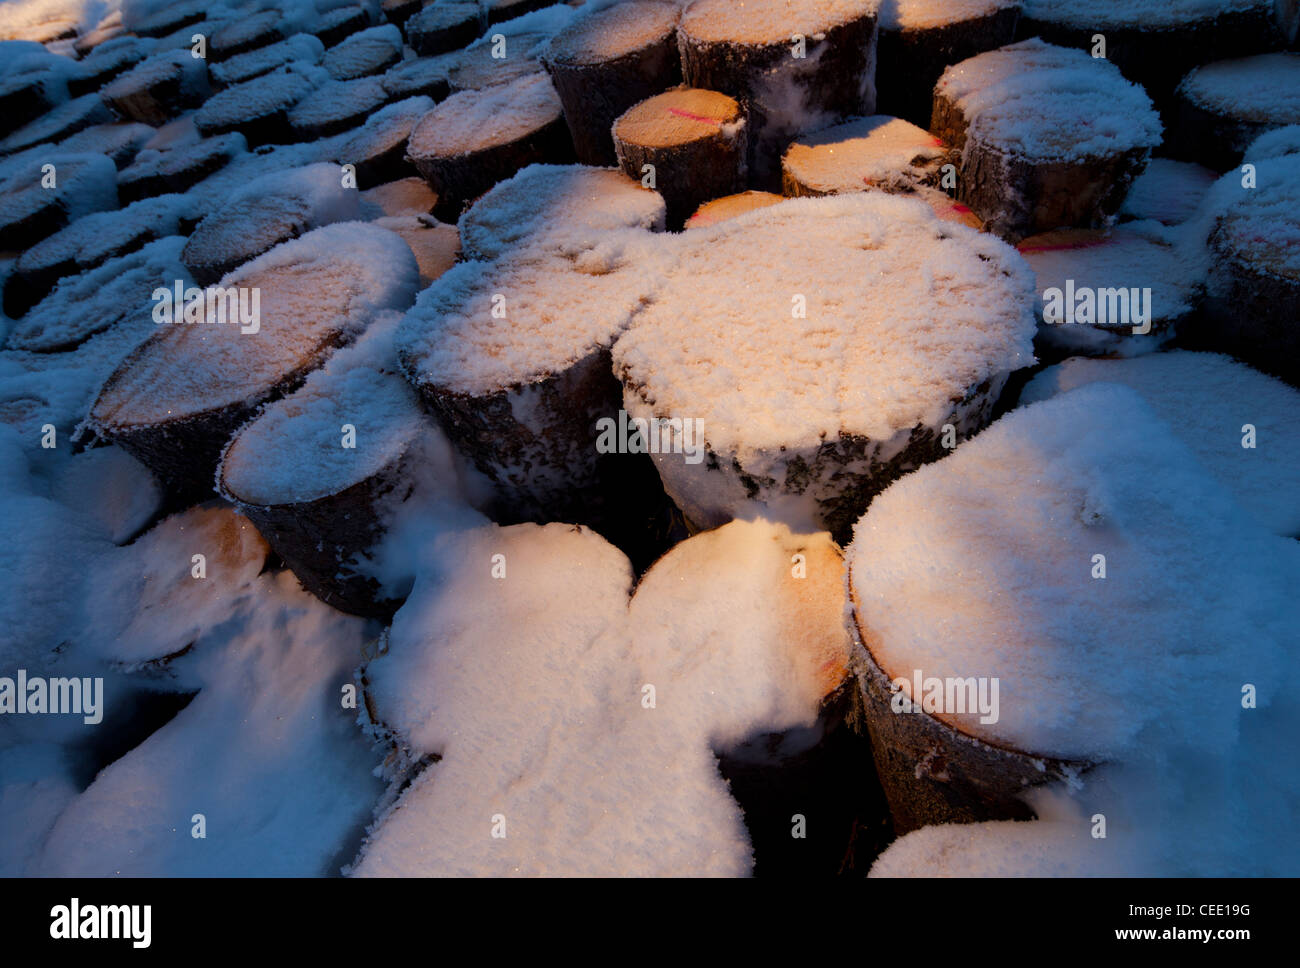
(257, 109)
(300, 48)
(499, 11)
(29, 211)
(65, 120)
(107, 62)
(379, 147)
(120, 142)
(728, 207)
(1221, 108)
(159, 88)
(460, 158)
(404, 196)
(26, 95)
(1157, 45)
(932, 772)
(398, 12)
(167, 19)
(527, 418)
(372, 51)
(604, 63)
(176, 399)
(443, 27)
(419, 77)
(1049, 137)
(876, 152)
(694, 143)
(920, 40)
(247, 33)
(321, 506)
(786, 87)
(476, 67)
(435, 245)
(544, 204)
(179, 168)
(335, 107)
(335, 26)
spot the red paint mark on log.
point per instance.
(693, 117)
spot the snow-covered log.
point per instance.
(1050, 137)
(378, 148)
(1224, 106)
(920, 39)
(513, 358)
(607, 61)
(247, 33)
(876, 152)
(31, 210)
(475, 139)
(159, 88)
(875, 337)
(176, 169)
(443, 27)
(257, 109)
(175, 401)
(372, 51)
(335, 107)
(794, 66)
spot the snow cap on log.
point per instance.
(546, 204)
(378, 147)
(643, 756)
(29, 211)
(1224, 106)
(820, 373)
(372, 51)
(159, 88)
(176, 399)
(1205, 398)
(795, 66)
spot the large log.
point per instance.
(177, 398)
(1049, 137)
(607, 61)
(475, 139)
(693, 142)
(801, 402)
(1223, 107)
(920, 39)
(795, 67)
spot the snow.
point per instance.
(315, 292)
(1136, 256)
(770, 21)
(905, 314)
(559, 307)
(1050, 103)
(98, 299)
(1264, 88)
(1275, 144)
(1206, 399)
(1168, 191)
(897, 15)
(981, 565)
(612, 32)
(588, 780)
(473, 121)
(292, 453)
(876, 151)
(111, 486)
(543, 205)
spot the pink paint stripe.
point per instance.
(694, 117)
(1062, 246)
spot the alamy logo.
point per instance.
(656, 435)
(952, 695)
(1098, 307)
(81, 697)
(70, 922)
(212, 305)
